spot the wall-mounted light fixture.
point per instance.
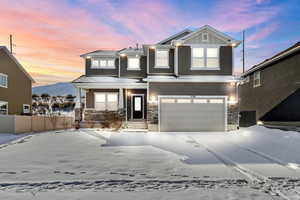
(88, 57)
(153, 99)
(128, 93)
(122, 54)
(152, 47)
(232, 100)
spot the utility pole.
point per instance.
(10, 43)
(243, 51)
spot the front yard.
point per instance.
(252, 163)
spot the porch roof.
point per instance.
(89, 82)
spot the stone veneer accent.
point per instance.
(97, 116)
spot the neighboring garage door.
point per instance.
(192, 114)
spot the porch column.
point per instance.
(78, 98)
(121, 98)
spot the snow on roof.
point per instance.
(104, 79)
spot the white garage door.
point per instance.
(192, 114)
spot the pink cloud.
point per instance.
(263, 33)
(234, 16)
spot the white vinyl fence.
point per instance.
(25, 124)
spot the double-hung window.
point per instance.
(133, 63)
(162, 59)
(256, 79)
(103, 63)
(3, 80)
(205, 58)
(3, 108)
(106, 101)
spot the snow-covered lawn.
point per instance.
(252, 163)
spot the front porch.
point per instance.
(125, 97)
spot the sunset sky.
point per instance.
(51, 34)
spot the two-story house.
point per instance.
(15, 85)
(270, 90)
(182, 83)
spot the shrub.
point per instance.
(112, 119)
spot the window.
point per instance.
(256, 79)
(198, 57)
(133, 63)
(3, 108)
(200, 100)
(106, 101)
(168, 100)
(205, 58)
(3, 80)
(212, 59)
(183, 100)
(162, 59)
(103, 64)
(218, 101)
(26, 108)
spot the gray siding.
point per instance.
(278, 82)
(106, 72)
(134, 73)
(210, 89)
(184, 62)
(153, 70)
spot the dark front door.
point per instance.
(137, 107)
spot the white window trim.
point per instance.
(134, 69)
(103, 67)
(168, 59)
(106, 101)
(207, 39)
(4, 75)
(5, 102)
(259, 84)
(24, 108)
(205, 57)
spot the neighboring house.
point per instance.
(15, 85)
(182, 83)
(271, 89)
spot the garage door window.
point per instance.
(218, 101)
(200, 100)
(168, 100)
(183, 100)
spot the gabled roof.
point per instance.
(101, 52)
(176, 36)
(224, 36)
(17, 63)
(269, 61)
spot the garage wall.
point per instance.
(216, 89)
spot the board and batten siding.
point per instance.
(192, 89)
(184, 62)
(153, 70)
(111, 72)
(124, 72)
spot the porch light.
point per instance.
(122, 54)
(232, 83)
(178, 44)
(152, 47)
(232, 100)
(153, 99)
(88, 57)
(128, 93)
(260, 123)
(233, 44)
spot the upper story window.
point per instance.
(3, 108)
(256, 79)
(3, 80)
(133, 63)
(205, 58)
(103, 64)
(162, 59)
